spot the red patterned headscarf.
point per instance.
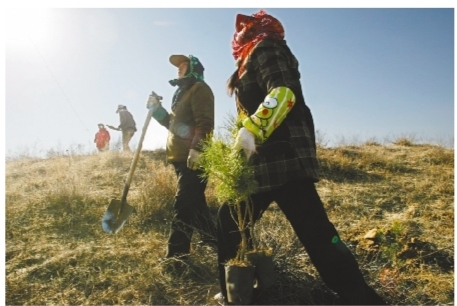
(252, 29)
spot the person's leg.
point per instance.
(190, 211)
(125, 141)
(130, 133)
(333, 260)
(203, 222)
(127, 135)
(228, 233)
(130, 136)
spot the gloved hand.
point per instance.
(193, 159)
(245, 140)
(153, 102)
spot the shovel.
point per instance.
(118, 211)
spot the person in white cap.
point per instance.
(127, 126)
(190, 121)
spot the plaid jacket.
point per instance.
(290, 152)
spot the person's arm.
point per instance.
(275, 76)
(112, 127)
(271, 113)
(163, 118)
(159, 113)
(202, 104)
(126, 120)
(122, 119)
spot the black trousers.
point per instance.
(301, 204)
(190, 211)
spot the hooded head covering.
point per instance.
(193, 74)
(249, 30)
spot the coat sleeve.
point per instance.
(165, 121)
(274, 67)
(202, 104)
(271, 112)
(275, 75)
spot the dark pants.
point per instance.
(191, 211)
(301, 204)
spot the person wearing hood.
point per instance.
(189, 123)
(279, 140)
(102, 138)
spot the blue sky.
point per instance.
(371, 73)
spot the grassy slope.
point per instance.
(57, 253)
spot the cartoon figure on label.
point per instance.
(263, 116)
(271, 113)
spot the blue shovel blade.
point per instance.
(115, 216)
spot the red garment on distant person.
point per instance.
(101, 138)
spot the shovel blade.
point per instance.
(115, 216)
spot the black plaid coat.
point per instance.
(290, 152)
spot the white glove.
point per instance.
(245, 140)
(193, 159)
(153, 103)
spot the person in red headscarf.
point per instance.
(102, 138)
(278, 138)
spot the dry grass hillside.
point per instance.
(392, 204)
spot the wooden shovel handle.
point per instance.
(135, 159)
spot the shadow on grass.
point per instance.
(160, 219)
(352, 166)
(73, 217)
(292, 290)
(339, 174)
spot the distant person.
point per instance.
(127, 126)
(278, 138)
(190, 121)
(102, 138)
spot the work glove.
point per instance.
(193, 159)
(153, 102)
(158, 112)
(245, 140)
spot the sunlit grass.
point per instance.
(402, 193)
